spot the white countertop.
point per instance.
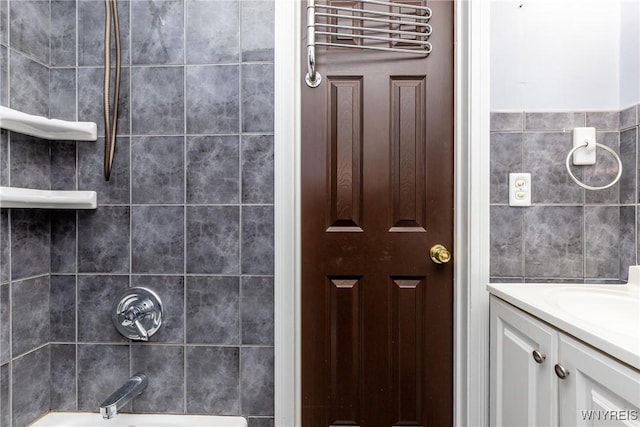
(605, 316)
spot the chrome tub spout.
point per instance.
(132, 388)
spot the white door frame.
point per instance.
(471, 323)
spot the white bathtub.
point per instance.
(91, 419)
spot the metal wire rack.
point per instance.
(379, 25)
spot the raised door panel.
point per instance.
(523, 392)
(599, 390)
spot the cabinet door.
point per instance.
(523, 391)
(599, 390)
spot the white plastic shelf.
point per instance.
(13, 197)
(41, 127)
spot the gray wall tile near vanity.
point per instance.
(257, 168)
(570, 234)
(4, 22)
(29, 163)
(5, 393)
(91, 32)
(171, 291)
(213, 99)
(213, 239)
(90, 87)
(213, 174)
(256, 307)
(507, 122)
(29, 243)
(257, 97)
(157, 239)
(257, 240)
(93, 313)
(104, 246)
(256, 380)
(5, 323)
(257, 30)
(4, 76)
(63, 242)
(62, 95)
(63, 165)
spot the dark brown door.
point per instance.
(377, 193)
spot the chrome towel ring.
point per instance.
(589, 187)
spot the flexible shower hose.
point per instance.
(110, 115)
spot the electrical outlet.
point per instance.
(519, 189)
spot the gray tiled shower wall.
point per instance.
(568, 234)
(188, 211)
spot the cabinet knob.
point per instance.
(538, 357)
(561, 371)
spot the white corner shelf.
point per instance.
(41, 127)
(13, 197)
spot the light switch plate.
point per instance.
(519, 189)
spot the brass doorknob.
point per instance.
(439, 254)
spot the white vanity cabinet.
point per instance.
(529, 356)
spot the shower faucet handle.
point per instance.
(137, 314)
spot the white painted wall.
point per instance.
(556, 55)
(629, 53)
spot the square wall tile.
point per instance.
(30, 314)
(256, 309)
(170, 289)
(506, 239)
(157, 99)
(212, 97)
(62, 93)
(602, 241)
(261, 422)
(257, 380)
(504, 122)
(30, 378)
(628, 155)
(63, 377)
(257, 240)
(29, 243)
(5, 247)
(257, 169)
(91, 171)
(544, 155)
(157, 169)
(157, 239)
(257, 22)
(213, 304)
(554, 241)
(213, 174)
(63, 241)
(90, 88)
(63, 33)
(603, 120)
(5, 323)
(257, 97)
(91, 32)
(157, 35)
(4, 75)
(29, 163)
(213, 239)
(505, 158)
(628, 233)
(29, 84)
(604, 171)
(104, 247)
(213, 380)
(5, 406)
(629, 117)
(212, 31)
(62, 310)
(63, 165)
(564, 122)
(93, 361)
(164, 366)
(4, 22)
(29, 28)
(95, 296)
